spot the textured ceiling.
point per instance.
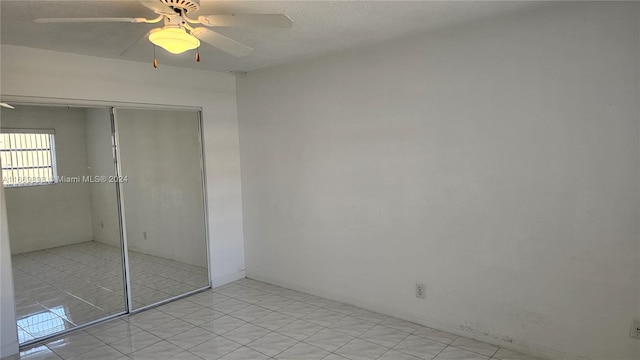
(319, 27)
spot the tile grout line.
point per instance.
(300, 310)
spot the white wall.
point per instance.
(104, 203)
(160, 156)
(8, 331)
(163, 200)
(37, 73)
(42, 217)
(497, 163)
(8, 334)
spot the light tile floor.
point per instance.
(248, 320)
(63, 287)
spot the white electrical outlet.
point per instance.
(635, 329)
(420, 291)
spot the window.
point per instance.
(27, 157)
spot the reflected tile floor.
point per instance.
(59, 288)
(248, 320)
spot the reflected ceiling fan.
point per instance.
(178, 35)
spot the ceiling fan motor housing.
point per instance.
(187, 6)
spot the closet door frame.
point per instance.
(112, 108)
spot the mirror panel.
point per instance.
(163, 203)
(63, 227)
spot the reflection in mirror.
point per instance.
(67, 267)
(160, 158)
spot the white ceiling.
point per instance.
(319, 27)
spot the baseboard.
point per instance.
(9, 351)
(46, 246)
(512, 344)
(227, 279)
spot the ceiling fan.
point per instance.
(178, 35)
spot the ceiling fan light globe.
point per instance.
(174, 40)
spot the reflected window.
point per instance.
(27, 157)
(43, 323)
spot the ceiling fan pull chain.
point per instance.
(155, 61)
(198, 54)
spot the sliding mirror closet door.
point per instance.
(160, 156)
(57, 163)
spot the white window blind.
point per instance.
(27, 157)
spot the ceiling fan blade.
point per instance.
(221, 42)
(247, 20)
(6, 105)
(158, 7)
(90, 20)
